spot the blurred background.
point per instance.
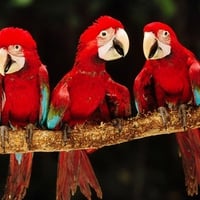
(145, 169)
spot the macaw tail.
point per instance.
(19, 176)
(74, 169)
(189, 144)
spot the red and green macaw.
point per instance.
(170, 79)
(24, 98)
(85, 91)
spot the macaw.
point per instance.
(25, 99)
(170, 80)
(85, 92)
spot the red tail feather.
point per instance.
(74, 169)
(189, 144)
(18, 177)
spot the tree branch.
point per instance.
(97, 136)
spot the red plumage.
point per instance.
(18, 177)
(170, 78)
(23, 89)
(87, 92)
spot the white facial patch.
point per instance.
(18, 64)
(108, 52)
(162, 51)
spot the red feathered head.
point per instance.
(159, 40)
(105, 38)
(102, 23)
(17, 51)
(12, 36)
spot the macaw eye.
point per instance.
(103, 33)
(165, 34)
(16, 49)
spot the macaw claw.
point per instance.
(117, 124)
(164, 115)
(4, 136)
(66, 132)
(182, 113)
(29, 134)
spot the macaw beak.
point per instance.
(10, 63)
(150, 45)
(121, 42)
(153, 48)
(116, 48)
(4, 61)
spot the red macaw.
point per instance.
(25, 99)
(85, 91)
(170, 79)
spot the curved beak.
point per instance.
(121, 42)
(4, 60)
(153, 48)
(116, 48)
(10, 63)
(150, 45)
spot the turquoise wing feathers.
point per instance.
(194, 75)
(44, 94)
(59, 104)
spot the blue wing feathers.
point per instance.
(196, 93)
(44, 94)
(194, 75)
(53, 121)
(44, 104)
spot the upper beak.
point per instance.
(121, 42)
(150, 45)
(4, 61)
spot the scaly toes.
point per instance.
(66, 132)
(4, 136)
(29, 134)
(182, 112)
(164, 115)
(117, 124)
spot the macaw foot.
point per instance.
(4, 136)
(66, 132)
(117, 124)
(164, 115)
(182, 113)
(29, 134)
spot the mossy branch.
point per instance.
(97, 136)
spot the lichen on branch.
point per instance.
(91, 135)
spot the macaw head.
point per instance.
(106, 38)
(17, 50)
(158, 40)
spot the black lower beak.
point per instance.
(153, 49)
(8, 63)
(118, 46)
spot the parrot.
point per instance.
(87, 92)
(24, 99)
(170, 80)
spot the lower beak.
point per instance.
(118, 47)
